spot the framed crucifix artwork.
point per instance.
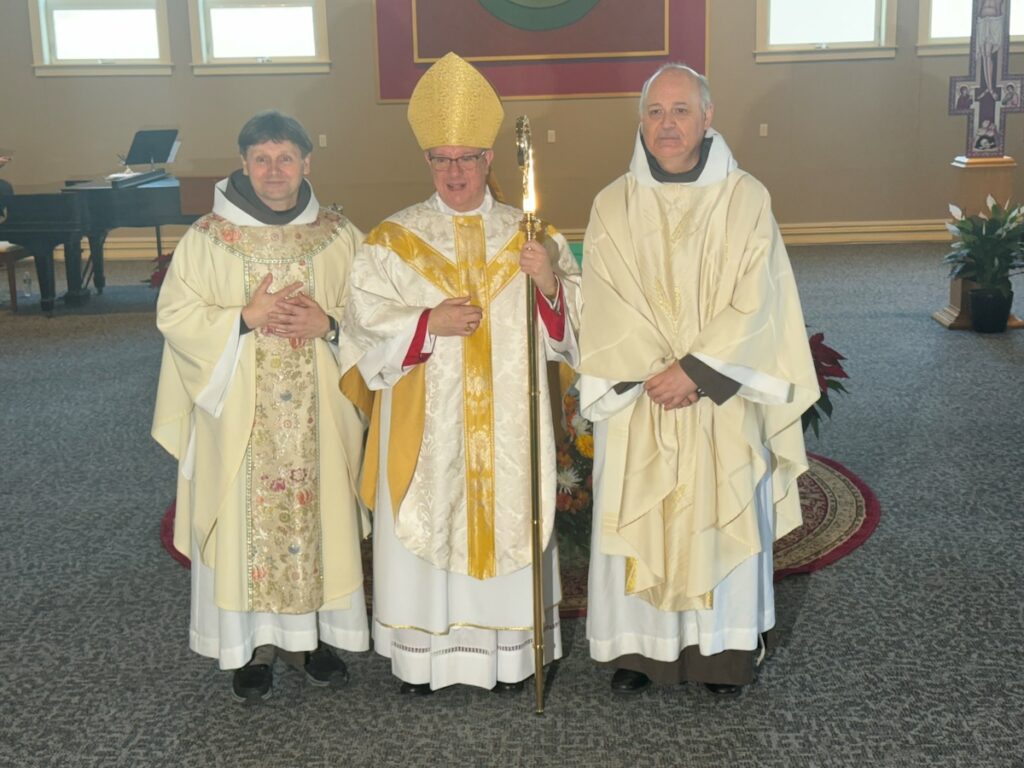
(989, 92)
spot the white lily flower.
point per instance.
(990, 202)
(956, 212)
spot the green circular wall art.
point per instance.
(538, 15)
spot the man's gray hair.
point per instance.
(702, 82)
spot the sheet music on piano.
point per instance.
(152, 147)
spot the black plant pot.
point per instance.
(990, 309)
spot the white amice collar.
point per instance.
(720, 163)
(484, 207)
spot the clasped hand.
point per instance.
(672, 388)
(286, 313)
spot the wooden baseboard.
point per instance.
(849, 232)
(863, 232)
(131, 248)
(825, 233)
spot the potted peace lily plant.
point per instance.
(987, 251)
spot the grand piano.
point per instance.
(41, 222)
(91, 209)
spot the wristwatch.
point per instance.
(332, 334)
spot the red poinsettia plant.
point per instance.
(829, 368)
(161, 262)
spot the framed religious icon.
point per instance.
(988, 93)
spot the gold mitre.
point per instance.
(454, 105)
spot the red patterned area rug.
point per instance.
(840, 513)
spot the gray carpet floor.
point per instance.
(906, 653)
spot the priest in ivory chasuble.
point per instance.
(695, 370)
(438, 315)
(268, 449)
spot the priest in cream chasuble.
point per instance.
(696, 369)
(268, 449)
(438, 315)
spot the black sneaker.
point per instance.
(252, 683)
(415, 689)
(724, 689)
(502, 687)
(628, 681)
(323, 668)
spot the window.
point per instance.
(944, 27)
(254, 37)
(802, 30)
(99, 37)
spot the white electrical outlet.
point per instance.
(323, 139)
(551, 136)
(762, 129)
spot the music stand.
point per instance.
(156, 146)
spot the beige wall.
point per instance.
(848, 141)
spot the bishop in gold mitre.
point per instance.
(438, 319)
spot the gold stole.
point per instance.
(471, 275)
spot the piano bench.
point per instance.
(9, 258)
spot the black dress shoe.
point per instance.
(415, 689)
(724, 689)
(252, 683)
(628, 681)
(323, 668)
(502, 687)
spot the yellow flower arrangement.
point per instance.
(585, 445)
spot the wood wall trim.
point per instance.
(821, 233)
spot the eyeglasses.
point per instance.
(465, 162)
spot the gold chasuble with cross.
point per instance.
(453, 432)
